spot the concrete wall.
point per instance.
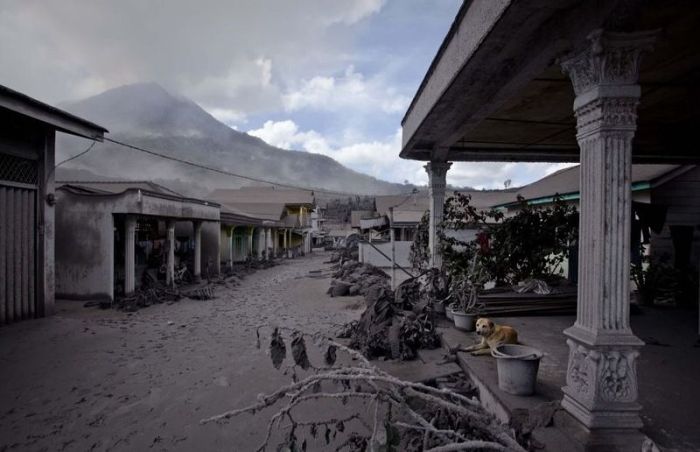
(370, 256)
(682, 196)
(211, 245)
(84, 249)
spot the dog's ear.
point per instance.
(491, 324)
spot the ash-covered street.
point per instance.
(91, 379)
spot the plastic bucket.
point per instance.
(439, 308)
(464, 322)
(517, 368)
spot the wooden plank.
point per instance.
(24, 246)
(3, 254)
(31, 229)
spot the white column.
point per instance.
(231, 254)
(250, 250)
(275, 241)
(268, 243)
(437, 172)
(601, 381)
(129, 254)
(261, 242)
(170, 265)
(284, 243)
(197, 271)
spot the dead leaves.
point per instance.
(278, 351)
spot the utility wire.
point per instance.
(216, 170)
(71, 158)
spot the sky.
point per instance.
(333, 77)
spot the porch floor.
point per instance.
(668, 371)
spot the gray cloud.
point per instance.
(209, 50)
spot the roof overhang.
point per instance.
(55, 118)
(142, 202)
(495, 91)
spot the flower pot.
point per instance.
(517, 368)
(448, 312)
(464, 321)
(439, 308)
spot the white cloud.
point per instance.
(230, 117)
(350, 91)
(354, 11)
(380, 158)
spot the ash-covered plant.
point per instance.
(458, 254)
(365, 409)
(419, 256)
(533, 243)
(465, 288)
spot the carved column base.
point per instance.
(601, 379)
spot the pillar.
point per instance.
(290, 254)
(129, 254)
(275, 241)
(197, 271)
(601, 379)
(268, 242)
(285, 247)
(437, 172)
(231, 254)
(170, 264)
(261, 242)
(250, 251)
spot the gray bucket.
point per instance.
(517, 368)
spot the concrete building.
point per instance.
(287, 212)
(113, 234)
(27, 199)
(603, 83)
(244, 235)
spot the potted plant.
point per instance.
(465, 310)
(465, 293)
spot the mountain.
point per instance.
(148, 116)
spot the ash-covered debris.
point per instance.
(147, 296)
(394, 325)
(353, 278)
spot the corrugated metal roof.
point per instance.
(262, 211)
(357, 215)
(266, 195)
(407, 217)
(566, 181)
(414, 201)
(122, 186)
(61, 120)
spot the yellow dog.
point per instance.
(492, 335)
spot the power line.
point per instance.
(216, 170)
(89, 148)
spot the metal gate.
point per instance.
(18, 192)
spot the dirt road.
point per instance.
(88, 379)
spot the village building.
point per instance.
(286, 211)
(27, 201)
(603, 83)
(665, 207)
(111, 236)
(253, 233)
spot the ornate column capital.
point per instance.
(611, 60)
(437, 169)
